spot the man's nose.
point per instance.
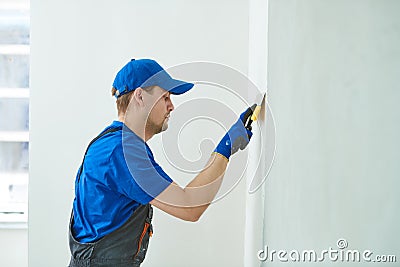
(171, 106)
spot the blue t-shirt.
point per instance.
(119, 173)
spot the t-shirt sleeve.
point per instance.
(135, 173)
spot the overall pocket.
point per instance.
(143, 243)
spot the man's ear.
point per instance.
(137, 96)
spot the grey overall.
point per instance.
(126, 246)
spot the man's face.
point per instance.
(160, 111)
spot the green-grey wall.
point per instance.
(334, 87)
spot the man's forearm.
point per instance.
(204, 187)
(191, 202)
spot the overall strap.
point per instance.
(91, 142)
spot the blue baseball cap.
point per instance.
(144, 73)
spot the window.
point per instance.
(14, 110)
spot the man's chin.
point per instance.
(164, 127)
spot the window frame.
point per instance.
(15, 215)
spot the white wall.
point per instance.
(333, 81)
(14, 247)
(77, 47)
(258, 166)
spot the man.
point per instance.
(119, 180)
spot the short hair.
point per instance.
(123, 101)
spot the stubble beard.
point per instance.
(157, 128)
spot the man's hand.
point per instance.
(237, 137)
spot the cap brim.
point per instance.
(177, 87)
(166, 82)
